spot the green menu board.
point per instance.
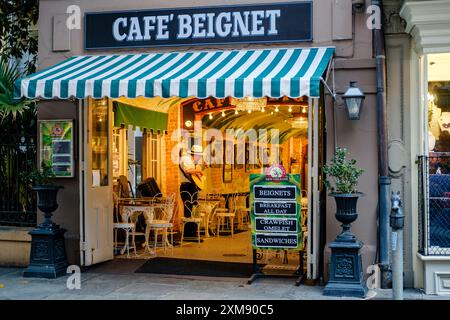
(56, 146)
(276, 211)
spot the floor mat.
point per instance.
(190, 267)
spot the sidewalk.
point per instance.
(115, 281)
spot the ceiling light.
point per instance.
(249, 104)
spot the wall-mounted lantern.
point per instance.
(354, 101)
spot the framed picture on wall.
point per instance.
(227, 173)
(56, 146)
(248, 165)
(228, 160)
(239, 159)
(213, 151)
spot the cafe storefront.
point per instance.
(142, 86)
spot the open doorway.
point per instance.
(142, 163)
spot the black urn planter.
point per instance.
(346, 276)
(48, 254)
(346, 213)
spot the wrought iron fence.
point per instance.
(434, 204)
(17, 202)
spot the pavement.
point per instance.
(116, 280)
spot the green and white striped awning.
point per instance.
(291, 72)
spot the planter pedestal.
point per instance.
(346, 273)
(48, 254)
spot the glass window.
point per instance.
(438, 218)
(100, 143)
(154, 156)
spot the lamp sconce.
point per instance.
(352, 100)
(358, 6)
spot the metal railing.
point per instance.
(17, 201)
(434, 204)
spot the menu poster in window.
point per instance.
(56, 145)
(276, 210)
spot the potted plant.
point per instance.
(48, 254)
(41, 181)
(346, 276)
(342, 177)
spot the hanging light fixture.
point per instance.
(210, 116)
(298, 121)
(276, 109)
(354, 101)
(249, 104)
(223, 114)
(304, 109)
(236, 112)
(290, 109)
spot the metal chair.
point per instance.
(227, 215)
(126, 221)
(242, 210)
(194, 218)
(164, 222)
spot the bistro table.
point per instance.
(146, 206)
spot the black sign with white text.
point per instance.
(276, 225)
(275, 192)
(285, 241)
(256, 23)
(275, 208)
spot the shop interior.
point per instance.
(438, 160)
(145, 134)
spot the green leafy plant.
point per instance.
(343, 172)
(18, 31)
(41, 176)
(9, 105)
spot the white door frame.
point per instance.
(313, 190)
(96, 219)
